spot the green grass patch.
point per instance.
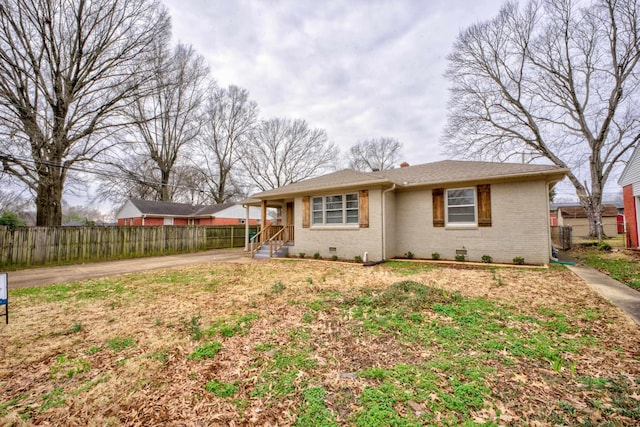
(627, 272)
(314, 411)
(278, 288)
(206, 351)
(160, 356)
(451, 388)
(230, 328)
(620, 403)
(221, 389)
(120, 343)
(288, 369)
(5, 405)
(408, 268)
(461, 325)
(89, 290)
(63, 366)
(53, 399)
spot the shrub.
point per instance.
(301, 254)
(460, 257)
(357, 258)
(435, 255)
(334, 258)
(518, 260)
(316, 255)
(487, 259)
(409, 255)
(591, 244)
(604, 246)
(11, 219)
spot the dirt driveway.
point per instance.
(50, 275)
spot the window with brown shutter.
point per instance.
(484, 205)
(437, 195)
(363, 208)
(306, 212)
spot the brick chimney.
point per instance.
(404, 165)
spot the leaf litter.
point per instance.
(319, 330)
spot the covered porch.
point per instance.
(277, 231)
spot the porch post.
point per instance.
(263, 219)
(246, 228)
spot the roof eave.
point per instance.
(289, 194)
(553, 176)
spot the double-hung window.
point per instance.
(338, 209)
(461, 206)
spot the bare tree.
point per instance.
(165, 117)
(556, 79)
(284, 151)
(375, 154)
(229, 120)
(13, 200)
(66, 68)
(129, 175)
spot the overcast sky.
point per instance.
(358, 69)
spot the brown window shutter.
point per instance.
(437, 195)
(363, 208)
(484, 205)
(306, 212)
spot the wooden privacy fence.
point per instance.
(25, 246)
(562, 236)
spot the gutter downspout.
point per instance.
(384, 226)
(143, 217)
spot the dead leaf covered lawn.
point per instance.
(313, 343)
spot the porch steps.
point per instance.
(283, 252)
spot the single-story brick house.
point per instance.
(449, 207)
(630, 183)
(148, 212)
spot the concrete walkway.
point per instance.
(50, 275)
(617, 293)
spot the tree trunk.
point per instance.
(592, 205)
(49, 204)
(165, 195)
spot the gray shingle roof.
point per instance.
(460, 171)
(446, 171)
(151, 207)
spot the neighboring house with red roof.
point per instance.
(450, 207)
(630, 183)
(147, 212)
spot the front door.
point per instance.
(289, 221)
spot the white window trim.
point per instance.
(467, 225)
(344, 224)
